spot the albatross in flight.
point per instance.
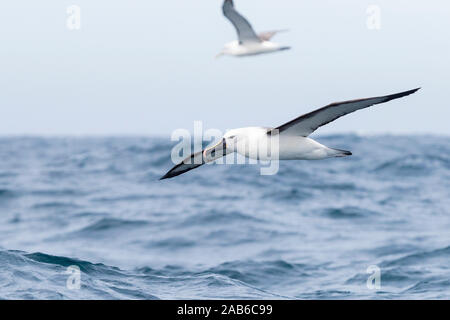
(293, 141)
(249, 42)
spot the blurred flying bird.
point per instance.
(249, 42)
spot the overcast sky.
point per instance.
(148, 67)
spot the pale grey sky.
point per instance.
(148, 67)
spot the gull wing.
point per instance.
(244, 29)
(308, 123)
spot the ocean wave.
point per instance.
(435, 288)
(419, 257)
(414, 274)
(99, 281)
(49, 274)
(308, 232)
(6, 194)
(217, 217)
(348, 213)
(55, 205)
(263, 273)
(412, 165)
(109, 224)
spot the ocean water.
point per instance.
(309, 232)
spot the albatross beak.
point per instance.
(215, 152)
(219, 55)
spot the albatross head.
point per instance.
(216, 151)
(225, 146)
(225, 51)
(220, 54)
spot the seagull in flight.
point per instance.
(293, 142)
(249, 42)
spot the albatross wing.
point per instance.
(244, 29)
(308, 123)
(195, 160)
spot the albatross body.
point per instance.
(249, 42)
(289, 141)
(290, 147)
(235, 48)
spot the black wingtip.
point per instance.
(415, 90)
(401, 94)
(166, 176)
(406, 93)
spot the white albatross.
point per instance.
(249, 42)
(293, 141)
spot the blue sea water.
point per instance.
(309, 232)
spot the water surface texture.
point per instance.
(309, 232)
